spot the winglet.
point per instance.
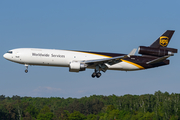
(132, 52)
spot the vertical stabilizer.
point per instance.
(163, 40)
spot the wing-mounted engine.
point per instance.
(159, 52)
(76, 66)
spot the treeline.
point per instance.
(157, 106)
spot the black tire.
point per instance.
(93, 75)
(26, 71)
(98, 74)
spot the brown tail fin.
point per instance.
(163, 40)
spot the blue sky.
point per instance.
(106, 26)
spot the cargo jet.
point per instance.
(151, 56)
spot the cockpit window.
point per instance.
(10, 52)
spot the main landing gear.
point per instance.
(96, 73)
(26, 68)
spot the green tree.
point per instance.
(91, 117)
(45, 114)
(76, 115)
(148, 116)
(27, 116)
(113, 114)
(2, 97)
(33, 111)
(173, 117)
(110, 108)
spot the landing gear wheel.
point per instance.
(98, 74)
(26, 65)
(26, 71)
(93, 75)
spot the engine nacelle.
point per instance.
(77, 66)
(153, 51)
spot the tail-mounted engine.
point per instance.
(159, 52)
(77, 66)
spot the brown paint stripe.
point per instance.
(140, 67)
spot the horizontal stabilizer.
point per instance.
(158, 60)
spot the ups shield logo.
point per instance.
(163, 41)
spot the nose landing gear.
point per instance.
(26, 71)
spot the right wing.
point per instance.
(110, 61)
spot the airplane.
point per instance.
(151, 56)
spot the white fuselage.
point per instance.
(60, 58)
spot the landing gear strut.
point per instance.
(26, 68)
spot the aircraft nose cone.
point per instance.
(5, 56)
